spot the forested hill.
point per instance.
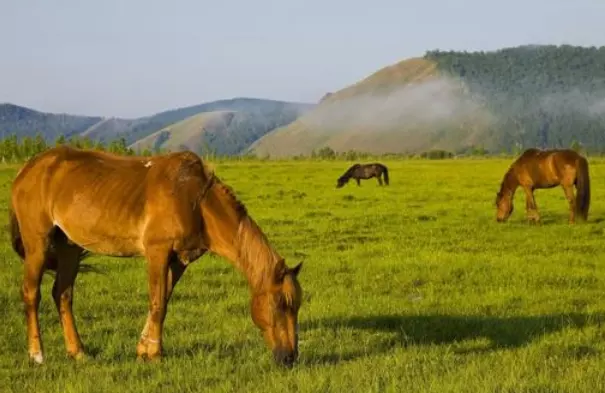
(544, 96)
(23, 121)
(504, 100)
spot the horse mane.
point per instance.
(291, 292)
(256, 257)
(509, 181)
(239, 206)
(352, 168)
(349, 172)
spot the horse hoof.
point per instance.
(36, 358)
(154, 358)
(145, 358)
(79, 357)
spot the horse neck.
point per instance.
(256, 258)
(509, 183)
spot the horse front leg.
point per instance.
(358, 182)
(157, 267)
(174, 274)
(530, 205)
(571, 199)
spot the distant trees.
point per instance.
(541, 96)
(325, 152)
(436, 154)
(14, 150)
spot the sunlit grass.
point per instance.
(411, 287)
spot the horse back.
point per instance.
(113, 203)
(546, 168)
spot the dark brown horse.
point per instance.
(365, 171)
(546, 169)
(170, 209)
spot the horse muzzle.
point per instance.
(285, 358)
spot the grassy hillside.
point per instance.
(254, 118)
(506, 100)
(185, 134)
(408, 288)
(277, 113)
(220, 132)
(111, 129)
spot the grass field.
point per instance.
(412, 287)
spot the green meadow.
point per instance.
(412, 287)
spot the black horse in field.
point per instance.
(365, 171)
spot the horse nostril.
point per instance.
(285, 359)
(288, 360)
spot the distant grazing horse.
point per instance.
(66, 203)
(365, 171)
(546, 169)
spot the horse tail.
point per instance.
(386, 175)
(583, 188)
(15, 233)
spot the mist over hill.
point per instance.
(505, 100)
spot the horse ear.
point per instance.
(280, 273)
(296, 269)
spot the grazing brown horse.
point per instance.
(365, 171)
(170, 209)
(546, 169)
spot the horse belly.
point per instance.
(99, 240)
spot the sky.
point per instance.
(131, 58)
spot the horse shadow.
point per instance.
(425, 330)
(554, 219)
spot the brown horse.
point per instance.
(546, 169)
(365, 171)
(170, 209)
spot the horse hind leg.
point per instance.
(36, 249)
(379, 180)
(571, 199)
(68, 262)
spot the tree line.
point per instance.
(17, 150)
(13, 149)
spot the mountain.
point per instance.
(27, 122)
(185, 134)
(221, 131)
(505, 100)
(250, 119)
(278, 113)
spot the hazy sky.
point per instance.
(136, 57)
